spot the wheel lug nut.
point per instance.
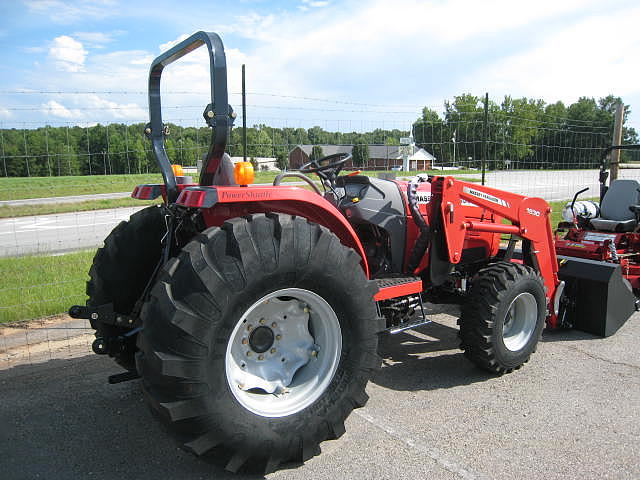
(274, 325)
(314, 353)
(262, 321)
(306, 310)
(278, 337)
(244, 341)
(260, 357)
(273, 350)
(249, 327)
(249, 353)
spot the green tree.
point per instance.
(360, 153)
(282, 160)
(316, 153)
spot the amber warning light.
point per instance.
(243, 173)
(177, 170)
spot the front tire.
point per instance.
(259, 340)
(503, 317)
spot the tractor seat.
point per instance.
(615, 214)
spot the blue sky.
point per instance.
(347, 65)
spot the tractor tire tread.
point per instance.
(186, 326)
(478, 315)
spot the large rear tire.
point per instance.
(259, 340)
(121, 270)
(503, 317)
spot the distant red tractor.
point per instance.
(252, 312)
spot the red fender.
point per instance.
(220, 203)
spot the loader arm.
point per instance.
(529, 217)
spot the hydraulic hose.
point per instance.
(422, 242)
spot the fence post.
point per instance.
(4, 159)
(617, 140)
(485, 133)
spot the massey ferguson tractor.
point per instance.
(252, 313)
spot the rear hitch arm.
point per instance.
(103, 314)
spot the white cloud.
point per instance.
(172, 43)
(34, 49)
(573, 62)
(96, 39)
(93, 106)
(122, 111)
(402, 52)
(4, 112)
(69, 54)
(306, 4)
(66, 12)
(316, 52)
(58, 110)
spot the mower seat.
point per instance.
(615, 215)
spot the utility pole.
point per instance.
(244, 118)
(617, 140)
(485, 133)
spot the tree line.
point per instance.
(120, 148)
(520, 133)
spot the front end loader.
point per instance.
(252, 312)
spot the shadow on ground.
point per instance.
(427, 358)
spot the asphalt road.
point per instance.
(72, 231)
(59, 233)
(572, 412)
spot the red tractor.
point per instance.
(252, 312)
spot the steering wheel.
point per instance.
(332, 165)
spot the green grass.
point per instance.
(17, 188)
(37, 286)
(556, 212)
(46, 209)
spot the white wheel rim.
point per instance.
(520, 321)
(283, 352)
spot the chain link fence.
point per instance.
(65, 186)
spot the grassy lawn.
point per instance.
(37, 286)
(15, 188)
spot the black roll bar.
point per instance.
(218, 113)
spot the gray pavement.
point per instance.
(552, 185)
(59, 233)
(572, 412)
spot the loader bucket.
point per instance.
(600, 300)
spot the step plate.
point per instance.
(393, 287)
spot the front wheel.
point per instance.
(259, 340)
(503, 317)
